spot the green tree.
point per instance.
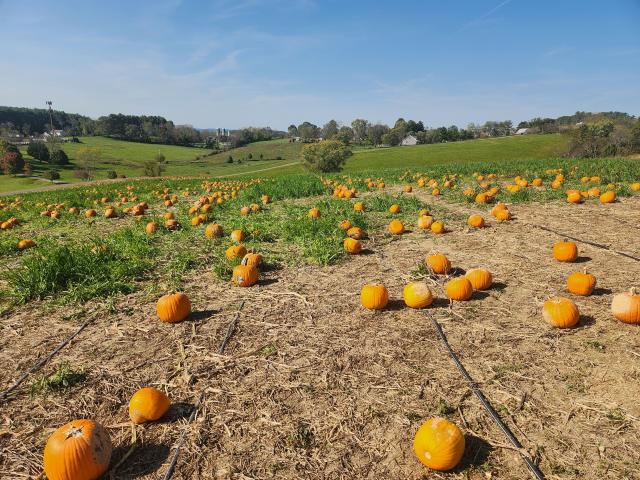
(59, 157)
(329, 130)
(376, 132)
(345, 135)
(359, 126)
(292, 130)
(12, 162)
(325, 156)
(87, 159)
(39, 151)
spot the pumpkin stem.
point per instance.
(633, 291)
(584, 270)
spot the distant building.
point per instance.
(56, 133)
(409, 140)
(522, 131)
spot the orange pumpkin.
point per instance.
(574, 196)
(626, 307)
(480, 278)
(314, 213)
(581, 283)
(345, 225)
(417, 295)
(171, 224)
(173, 308)
(110, 213)
(352, 245)
(395, 208)
(565, 251)
(396, 227)
(151, 228)
(245, 275)
(358, 207)
(437, 227)
(26, 243)
(235, 251)
(147, 405)
(476, 221)
(560, 312)
(503, 215)
(90, 213)
(237, 236)
(374, 297)
(459, 289)
(439, 444)
(408, 189)
(355, 232)
(608, 197)
(425, 222)
(213, 230)
(79, 450)
(252, 260)
(439, 263)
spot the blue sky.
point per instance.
(223, 63)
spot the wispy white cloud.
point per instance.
(482, 18)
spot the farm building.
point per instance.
(409, 140)
(522, 131)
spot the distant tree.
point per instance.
(401, 128)
(345, 135)
(12, 161)
(292, 130)
(38, 150)
(87, 159)
(325, 156)
(360, 127)
(229, 159)
(51, 174)
(392, 137)
(160, 158)
(308, 131)
(27, 170)
(112, 174)
(329, 130)
(453, 134)
(153, 168)
(59, 157)
(376, 132)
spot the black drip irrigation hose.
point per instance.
(537, 473)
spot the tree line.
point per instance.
(363, 132)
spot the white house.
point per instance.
(409, 140)
(56, 133)
(522, 131)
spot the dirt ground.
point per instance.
(312, 386)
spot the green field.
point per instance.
(127, 158)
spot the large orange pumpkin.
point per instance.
(147, 405)
(565, 251)
(396, 227)
(252, 260)
(213, 230)
(439, 263)
(79, 450)
(437, 227)
(476, 221)
(245, 275)
(395, 208)
(26, 243)
(351, 245)
(560, 312)
(439, 444)
(480, 278)
(581, 283)
(374, 297)
(608, 197)
(173, 308)
(235, 251)
(237, 236)
(626, 307)
(459, 289)
(151, 228)
(417, 295)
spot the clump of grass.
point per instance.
(83, 271)
(303, 437)
(63, 378)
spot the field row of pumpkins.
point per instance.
(81, 449)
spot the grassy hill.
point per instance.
(279, 157)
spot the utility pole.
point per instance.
(49, 103)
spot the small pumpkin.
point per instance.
(314, 213)
(345, 225)
(626, 307)
(245, 210)
(476, 221)
(110, 213)
(374, 296)
(417, 295)
(560, 312)
(351, 245)
(408, 189)
(252, 259)
(151, 228)
(439, 444)
(237, 235)
(565, 251)
(148, 404)
(396, 227)
(480, 278)
(26, 243)
(574, 196)
(173, 308)
(245, 275)
(438, 263)
(459, 289)
(213, 230)
(356, 233)
(395, 208)
(437, 227)
(358, 207)
(608, 197)
(581, 283)
(503, 215)
(90, 213)
(425, 222)
(79, 450)
(171, 224)
(235, 251)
